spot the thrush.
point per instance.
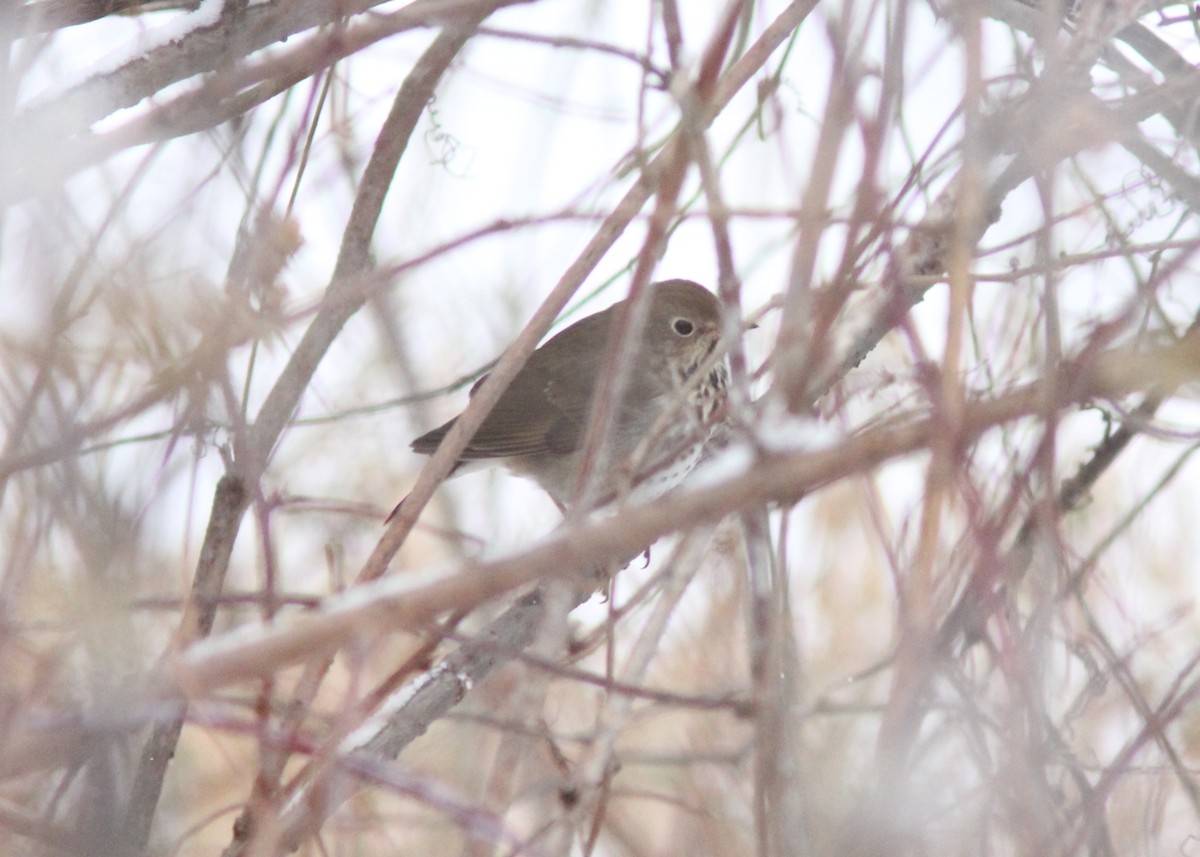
(672, 399)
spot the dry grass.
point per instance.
(935, 592)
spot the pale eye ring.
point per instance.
(683, 327)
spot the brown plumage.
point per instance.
(537, 427)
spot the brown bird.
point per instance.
(672, 399)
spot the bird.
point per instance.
(673, 398)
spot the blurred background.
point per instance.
(932, 650)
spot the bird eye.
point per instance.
(683, 327)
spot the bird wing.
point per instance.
(545, 409)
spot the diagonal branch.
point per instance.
(252, 453)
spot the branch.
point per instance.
(253, 452)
